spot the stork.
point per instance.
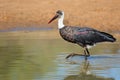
(83, 36)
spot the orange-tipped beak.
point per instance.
(55, 17)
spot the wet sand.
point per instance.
(99, 14)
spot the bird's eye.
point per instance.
(59, 12)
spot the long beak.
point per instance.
(55, 17)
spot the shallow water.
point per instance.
(44, 59)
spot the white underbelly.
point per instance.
(89, 46)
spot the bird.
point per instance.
(83, 36)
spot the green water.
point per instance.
(44, 59)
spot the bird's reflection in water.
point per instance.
(85, 73)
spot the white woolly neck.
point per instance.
(60, 22)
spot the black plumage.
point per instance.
(84, 36)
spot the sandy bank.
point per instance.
(99, 14)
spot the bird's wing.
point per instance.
(106, 36)
(91, 36)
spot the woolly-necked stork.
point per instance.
(83, 36)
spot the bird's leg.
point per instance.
(88, 53)
(85, 54)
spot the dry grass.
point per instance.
(99, 14)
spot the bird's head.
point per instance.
(59, 14)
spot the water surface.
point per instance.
(30, 58)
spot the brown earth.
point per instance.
(99, 14)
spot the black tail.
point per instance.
(108, 37)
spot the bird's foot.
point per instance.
(74, 54)
(86, 56)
